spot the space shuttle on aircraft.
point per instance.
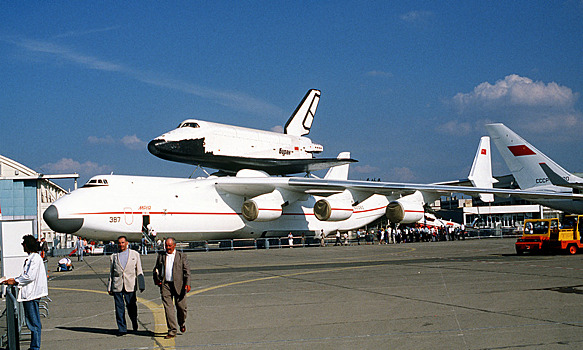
(534, 171)
(231, 148)
(251, 204)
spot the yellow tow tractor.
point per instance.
(545, 235)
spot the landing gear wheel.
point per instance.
(572, 249)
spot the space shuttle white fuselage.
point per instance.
(232, 148)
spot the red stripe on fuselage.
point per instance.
(155, 213)
(206, 213)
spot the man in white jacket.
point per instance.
(32, 284)
(125, 277)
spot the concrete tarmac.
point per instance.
(473, 294)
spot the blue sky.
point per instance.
(406, 86)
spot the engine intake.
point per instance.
(333, 209)
(404, 212)
(266, 207)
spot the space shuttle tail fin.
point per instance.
(300, 122)
(481, 172)
(339, 172)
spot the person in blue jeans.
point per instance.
(32, 285)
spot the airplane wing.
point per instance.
(325, 187)
(504, 181)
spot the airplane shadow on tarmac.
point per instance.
(94, 330)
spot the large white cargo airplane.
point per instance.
(231, 148)
(250, 204)
(534, 171)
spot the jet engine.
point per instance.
(404, 212)
(266, 207)
(333, 209)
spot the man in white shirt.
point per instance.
(32, 284)
(172, 275)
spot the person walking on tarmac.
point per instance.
(125, 277)
(172, 274)
(338, 240)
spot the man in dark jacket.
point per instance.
(172, 275)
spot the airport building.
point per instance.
(25, 194)
(506, 214)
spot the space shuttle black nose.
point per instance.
(154, 146)
(51, 217)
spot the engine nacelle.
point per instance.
(333, 209)
(404, 212)
(266, 207)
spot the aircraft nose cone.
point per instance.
(51, 217)
(160, 147)
(154, 146)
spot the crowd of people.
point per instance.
(420, 233)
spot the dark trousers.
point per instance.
(130, 300)
(32, 315)
(168, 293)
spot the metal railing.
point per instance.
(14, 318)
(249, 243)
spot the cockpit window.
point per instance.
(96, 182)
(189, 125)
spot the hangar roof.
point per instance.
(12, 170)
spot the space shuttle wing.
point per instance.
(294, 166)
(275, 166)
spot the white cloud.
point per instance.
(132, 142)
(515, 90)
(86, 32)
(566, 123)
(277, 128)
(402, 174)
(534, 105)
(455, 127)
(70, 55)
(364, 169)
(108, 140)
(68, 165)
(416, 16)
(235, 100)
